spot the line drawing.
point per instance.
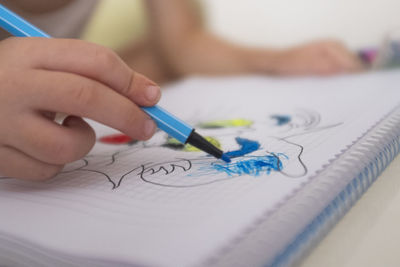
(188, 169)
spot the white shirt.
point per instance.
(66, 22)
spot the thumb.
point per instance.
(142, 91)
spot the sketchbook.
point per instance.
(303, 151)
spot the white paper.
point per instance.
(146, 203)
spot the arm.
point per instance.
(177, 31)
(186, 48)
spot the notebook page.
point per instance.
(158, 204)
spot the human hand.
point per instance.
(317, 58)
(40, 77)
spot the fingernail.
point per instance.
(149, 128)
(152, 93)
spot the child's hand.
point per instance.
(318, 58)
(39, 77)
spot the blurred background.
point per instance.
(274, 23)
(282, 23)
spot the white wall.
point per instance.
(282, 23)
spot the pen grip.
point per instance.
(173, 126)
(169, 123)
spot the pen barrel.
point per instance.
(17, 26)
(169, 123)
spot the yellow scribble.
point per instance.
(226, 123)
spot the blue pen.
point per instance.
(173, 126)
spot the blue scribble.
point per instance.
(281, 119)
(246, 147)
(252, 165)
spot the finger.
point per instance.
(16, 164)
(324, 67)
(90, 60)
(345, 59)
(52, 143)
(354, 60)
(82, 97)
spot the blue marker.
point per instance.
(173, 126)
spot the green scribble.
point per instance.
(175, 144)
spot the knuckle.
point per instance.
(104, 57)
(84, 95)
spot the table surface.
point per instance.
(368, 234)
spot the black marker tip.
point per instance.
(201, 143)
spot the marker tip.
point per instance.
(225, 158)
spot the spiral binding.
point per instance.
(282, 237)
(378, 149)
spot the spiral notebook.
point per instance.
(303, 151)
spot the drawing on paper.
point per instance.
(252, 165)
(257, 148)
(246, 147)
